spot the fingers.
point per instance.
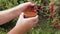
(28, 4)
(34, 19)
(23, 6)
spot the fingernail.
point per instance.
(33, 4)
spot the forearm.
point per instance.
(22, 29)
(16, 30)
(4, 18)
(9, 14)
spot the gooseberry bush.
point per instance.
(48, 11)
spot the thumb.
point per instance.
(21, 16)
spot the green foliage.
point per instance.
(45, 24)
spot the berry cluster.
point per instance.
(52, 10)
(53, 13)
(41, 7)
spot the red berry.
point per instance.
(52, 4)
(51, 8)
(56, 23)
(43, 7)
(35, 8)
(52, 16)
(54, 11)
(58, 27)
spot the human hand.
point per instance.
(23, 6)
(23, 25)
(26, 22)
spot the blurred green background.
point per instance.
(44, 25)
